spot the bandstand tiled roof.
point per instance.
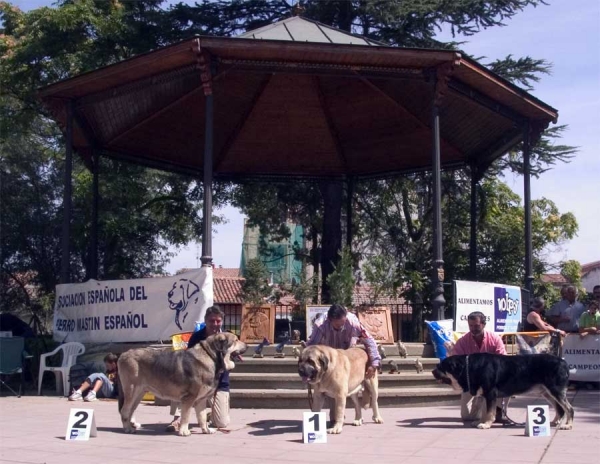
(295, 99)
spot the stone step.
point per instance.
(298, 399)
(289, 381)
(290, 364)
(414, 350)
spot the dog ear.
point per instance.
(221, 342)
(324, 361)
(191, 289)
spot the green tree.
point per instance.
(571, 270)
(383, 277)
(142, 212)
(255, 288)
(342, 281)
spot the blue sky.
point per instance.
(564, 33)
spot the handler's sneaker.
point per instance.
(76, 396)
(91, 396)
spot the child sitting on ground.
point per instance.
(100, 385)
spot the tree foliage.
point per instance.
(142, 212)
(571, 270)
(255, 288)
(342, 280)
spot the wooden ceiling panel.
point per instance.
(286, 131)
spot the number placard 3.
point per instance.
(538, 421)
(314, 427)
(81, 425)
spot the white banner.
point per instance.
(138, 310)
(501, 305)
(583, 357)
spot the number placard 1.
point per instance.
(538, 421)
(314, 427)
(81, 425)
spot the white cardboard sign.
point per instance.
(314, 314)
(81, 425)
(314, 427)
(538, 421)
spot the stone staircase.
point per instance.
(273, 383)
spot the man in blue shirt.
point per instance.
(219, 404)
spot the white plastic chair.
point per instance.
(70, 351)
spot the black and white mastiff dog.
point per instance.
(189, 376)
(339, 374)
(495, 376)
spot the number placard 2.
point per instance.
(81, 425)
(538, 421)
(314, 427)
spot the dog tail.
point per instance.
(120, 393)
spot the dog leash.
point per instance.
(468, 378)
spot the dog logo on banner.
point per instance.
(183, 291)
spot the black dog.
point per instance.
(495, 376)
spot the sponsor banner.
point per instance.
(138, 310)
(583, 357)
(501, 305)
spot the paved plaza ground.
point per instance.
(33, 430)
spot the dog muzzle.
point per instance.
(307, 373)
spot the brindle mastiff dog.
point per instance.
(339, 374)
(189, 376)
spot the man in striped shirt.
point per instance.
(342, 330)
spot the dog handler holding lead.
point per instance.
(477, 340)
(341, 330)
(219, 404)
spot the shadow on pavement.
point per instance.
(275, 427)
(146, 429)
(435, 423)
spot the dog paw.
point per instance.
(566, 427)
(357, 422)
(129, 429)
(136, 425)
(378, 420)
(184, 432)
(209, 430)
(484, 425)
(335, 430)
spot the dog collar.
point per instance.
(468, 379)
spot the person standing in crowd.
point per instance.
(565, 314)
(219, 404)
(477, 340)
(596, 294)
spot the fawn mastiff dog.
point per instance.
(189, 376)
(495, 376)
(339, 374)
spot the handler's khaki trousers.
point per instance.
(219, 407)
(470, 406)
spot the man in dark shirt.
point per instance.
(219, 404)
